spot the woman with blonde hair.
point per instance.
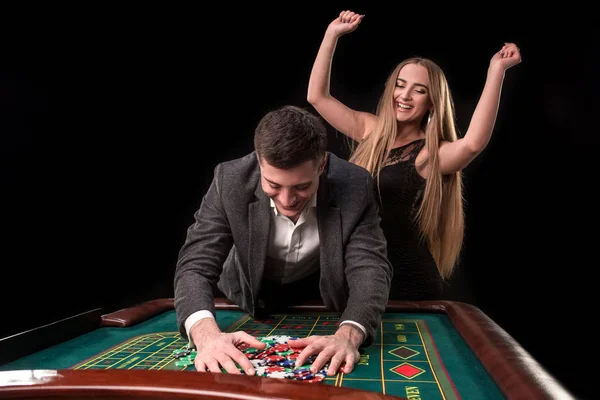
(411, 145)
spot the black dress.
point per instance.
(416, 276)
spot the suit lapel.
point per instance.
(259, 222)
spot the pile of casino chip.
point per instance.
(276, 360)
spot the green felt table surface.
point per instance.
(415, 355)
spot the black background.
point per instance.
(113, 118)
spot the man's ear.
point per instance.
(323, 163)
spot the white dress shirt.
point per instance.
(294, 246)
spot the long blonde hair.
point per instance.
(440, 215)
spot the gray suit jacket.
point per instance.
(228, 243)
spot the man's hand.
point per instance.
(216, 349)
(338, 349)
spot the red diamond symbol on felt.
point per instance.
(404, 352)
(407, 371)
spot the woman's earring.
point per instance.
(429, 117)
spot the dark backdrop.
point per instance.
(112, 120)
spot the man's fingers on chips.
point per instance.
(334, 364)
(305, 354)
(243, 337)
(228, 364)
(212, 365)
(323, 357)
(200, 366)
(241, 359)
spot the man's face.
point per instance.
(291, 189)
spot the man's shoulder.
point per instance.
(249, 161)
(344, 169)
(238, 173)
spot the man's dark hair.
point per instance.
(290, 136)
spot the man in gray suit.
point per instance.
(285, 220)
